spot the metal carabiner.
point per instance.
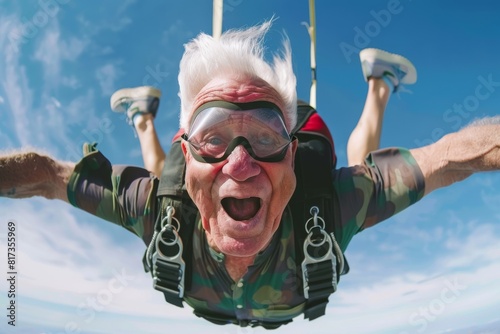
(310, 259)
(168, 238)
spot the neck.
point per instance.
(236, 267)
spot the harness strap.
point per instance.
(171, 244)
(167, 263)
(320, 265)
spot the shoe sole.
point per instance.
(411, 73)
(124, 94)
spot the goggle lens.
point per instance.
(218, 129)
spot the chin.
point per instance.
(243, 248)
(246, 238)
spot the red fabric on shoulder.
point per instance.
(316, 124)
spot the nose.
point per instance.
(240, 165)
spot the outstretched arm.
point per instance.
(458, 155)
(33, 174)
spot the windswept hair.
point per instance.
(484, 121)
(241, 53)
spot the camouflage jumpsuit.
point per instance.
(388, 182)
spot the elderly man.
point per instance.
(237, 115)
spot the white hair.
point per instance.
(241, 53)
(484, 121)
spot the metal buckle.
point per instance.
(169, 270)
(311, 259)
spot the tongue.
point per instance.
(241, 209)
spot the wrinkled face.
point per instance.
(241, 200)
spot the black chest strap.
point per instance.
(322, 261)
(171, 244)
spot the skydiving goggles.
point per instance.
(218, 127)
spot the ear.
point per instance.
(184, 148)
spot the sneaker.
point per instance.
(136, 101)
(389, 66)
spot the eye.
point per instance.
(213, 145)
(213, 141)
(265, 143)
(266, 140)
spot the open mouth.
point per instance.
(241, 209)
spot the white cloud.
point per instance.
(56, 102)
(491, 198)
(114, 21)
(470, 263)
(72, 48)
(122, 20)
(52, 49)
(69, 261)
(107, 50)
(120, 23)
(463, 253)
(70, 81)
(37, 125)
(80, 108)
(135, 153)
(173, 30)
(48, 52)
(14, 80)
(107, 76)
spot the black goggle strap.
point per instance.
(237, 106)
(275, 157)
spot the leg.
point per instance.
(141, 105)
(366, 135)
(385, 73)
(152, 152)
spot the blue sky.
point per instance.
(434, 268)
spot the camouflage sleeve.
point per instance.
(123, 195)
(389, 181)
